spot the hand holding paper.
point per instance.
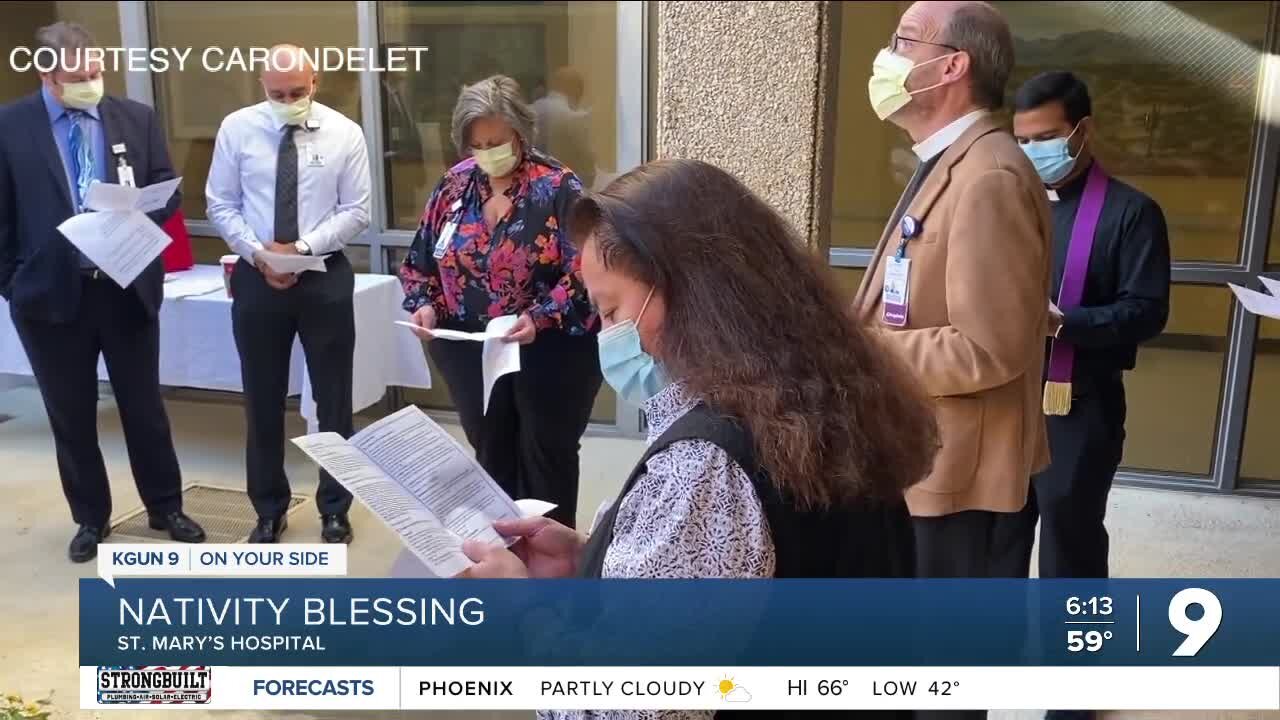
(106, 197)
(499, 356)
(119, 238)
(121, 243)
(291, 264)
(419, 481)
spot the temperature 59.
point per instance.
(1087, 640)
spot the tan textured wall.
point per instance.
(738, 87)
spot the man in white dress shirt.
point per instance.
(291, 176)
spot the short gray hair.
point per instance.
(981, 31)
(498, 96)
(67, 39)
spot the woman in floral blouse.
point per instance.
(491, 243)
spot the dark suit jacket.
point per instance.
(39, 267)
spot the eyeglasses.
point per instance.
(895, 39)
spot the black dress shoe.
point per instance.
(268, 530)
(335, 528)
(179, 525)
(84, 546)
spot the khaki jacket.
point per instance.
(976, 321)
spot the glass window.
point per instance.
(437, 398)
(873, 159)
(193, 101)
(848, 278)
(1273, 249)
(22, 19)
(1173, 87)
(1261, 459)
(564, 55)
(1173, 395)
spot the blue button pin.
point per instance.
(910, 227)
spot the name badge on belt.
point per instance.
(446, 233)
(896, 288)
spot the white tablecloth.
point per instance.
(197, 349)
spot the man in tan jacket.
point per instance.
(959, 282)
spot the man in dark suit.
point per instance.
(53, 145)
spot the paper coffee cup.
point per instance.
(228, 267)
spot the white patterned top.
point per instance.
(694, 514)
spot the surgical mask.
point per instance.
(496, 161)
(629, 370)
(887, 87)
(82, 95)
(294, 113)
(1052, 158)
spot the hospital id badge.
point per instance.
(446, 232)
(124, 174)
(896, 287)
(446, 235)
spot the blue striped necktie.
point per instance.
(81, 156)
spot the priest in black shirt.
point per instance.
(1110, 294)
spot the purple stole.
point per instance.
(1062, 354)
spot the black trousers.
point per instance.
(530, 438)
(1069, 499)
(969, 544)
(319, 311)
(113, 324)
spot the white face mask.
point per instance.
(496, 161)
(887, 87)
(294, 113)
(82, 95)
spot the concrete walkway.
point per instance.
(1154, 534)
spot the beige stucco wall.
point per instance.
(738, 87)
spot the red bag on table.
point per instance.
(178, 255)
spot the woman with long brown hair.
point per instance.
(781, 434)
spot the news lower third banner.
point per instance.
(340, 643)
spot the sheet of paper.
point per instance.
(122, 243)
(283, 263)
(1256, 302)
(498, 357)
(423, 534)
(535, 508)
(154, 197)
(1272, 286)
(421, 482)
(110, 196)
(188, 284)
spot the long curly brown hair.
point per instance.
(756, 328)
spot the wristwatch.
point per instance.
(302, 247)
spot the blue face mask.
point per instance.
(1052, 158)
(632, 372)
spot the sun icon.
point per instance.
(726, 687)
(731, 691)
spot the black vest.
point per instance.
(869, 540)
(873, 541)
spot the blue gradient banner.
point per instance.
(367, 622)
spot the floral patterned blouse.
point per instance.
(526, 264)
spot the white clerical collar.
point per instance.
(941, 140)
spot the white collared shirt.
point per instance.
(333, 179)
(941, 140)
